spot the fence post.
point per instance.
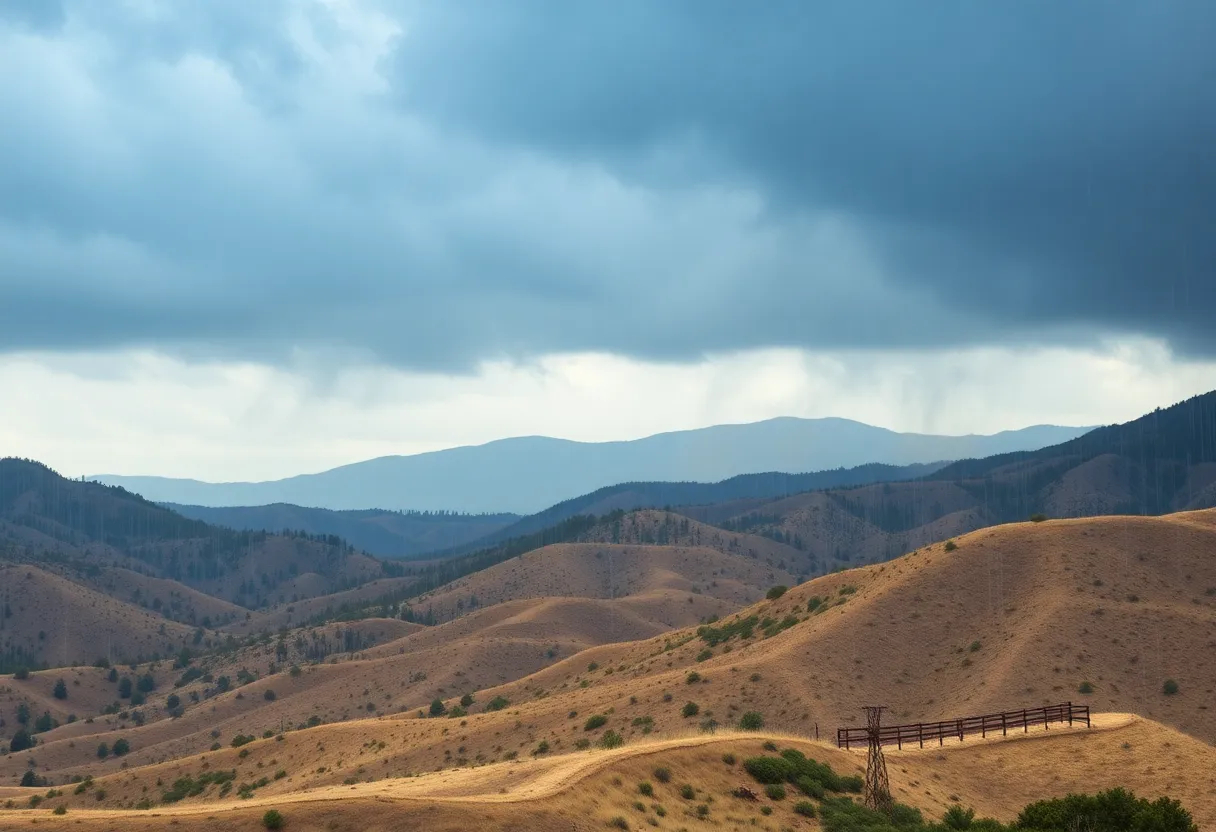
(1025, 724)
(959, 725)
(1069, 714)
(1004, 727)
(983, 727)
(920, 733)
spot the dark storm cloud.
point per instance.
(1031, 161)
(659, 180)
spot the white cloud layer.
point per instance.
(144, 413)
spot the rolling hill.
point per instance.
(388, 534)
(527, 474)
(1003, 618)
(1162, 462)
(46, 518)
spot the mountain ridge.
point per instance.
(525, 475)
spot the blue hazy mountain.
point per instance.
(524, 475)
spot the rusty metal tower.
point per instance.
(878, 785)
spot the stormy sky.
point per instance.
(244, 240)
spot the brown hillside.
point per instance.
(47, 618)
(604, 570)
(584, 791)
(1014, 616)
(665, 528)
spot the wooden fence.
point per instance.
(921, 732)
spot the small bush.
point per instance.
(103, 751)
(1170, 687)
(60, 810)
(121, 747)
(705, 655)
(692, 678)
(269, 695)
(645, 789)
(951, 545)
(466, 700)
(751, 721)
(1037, 518)
(619, 822)
(956, 817)
(582, 743)
(611, 739)
(690, 709)
(775, 791)
(437, 707)
(596, 721)
(768, 769)
(663, 775)
(497, 703)
(687, 791)
(1086, 687)
(805, 808)
(273, 819)
(543, 748)
(729, 759)
(61, 690)
(776, 592)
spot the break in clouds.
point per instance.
(437, 185)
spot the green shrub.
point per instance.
(776, 592)
(543, 748)
(751, 721)
(437, 707)
(775, 791)
(497, 703)
(269, 695)
(596, 721)
(729, 759)
(705, 655)
(59, 810)
(1115, 810)
(103, 751)
(951, 545)
(618, 822)
(687, 791)
(1170, 687)
(1037, 518)
(692, 678)
(466, 700)
(1086, 687)
(805, 808)
(273, 819)
(121, 747)
(956, 817)
(690, 709)
(645, 789)
(809, 786)
(61, 690)
(768, 769)
(663, 775)
(611, 739)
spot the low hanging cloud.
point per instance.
(437, 185)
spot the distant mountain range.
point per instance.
(398, 534)
(525, 475)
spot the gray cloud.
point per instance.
(659, 180)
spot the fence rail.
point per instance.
(920, 732)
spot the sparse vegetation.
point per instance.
(1170, 688)
(690, 709)
(497, 703)
(596, 721)
(776, 592)
(273, 819)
